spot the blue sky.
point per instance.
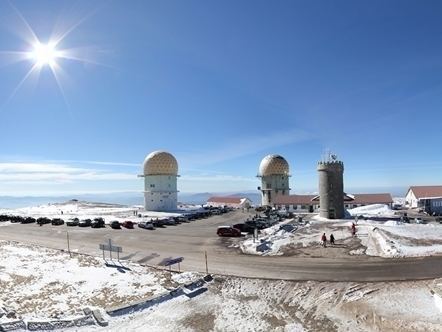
(220, 85)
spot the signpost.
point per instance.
(111, 248)
(174, 261)
(255, 234)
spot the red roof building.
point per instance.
(311, 202)
(428, 198)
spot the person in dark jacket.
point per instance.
(324, 240)
(332, 239)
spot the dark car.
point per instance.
(57, 221)
(182, 219)
(115, 224)
(97, 223)
(43, 220)
(73, 222)
(127, 224)
(228, 231)
(28, 220)
(158, 223)
(244, 228)
(16, 219)
(85, 223)
(146, 225)
(169, 222)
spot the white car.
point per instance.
(419, 221)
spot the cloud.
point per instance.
(56, 173)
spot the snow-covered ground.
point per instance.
(42, 283)
(372, 210)
(84, 210)
(39, 284)
(236, 304)
(389, 238)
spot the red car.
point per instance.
(228, 231)
(128, 224)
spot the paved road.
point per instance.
(193, 239)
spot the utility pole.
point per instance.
(207, 268)
(69, 248)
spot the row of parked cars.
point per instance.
(258, 222)
(100, 222)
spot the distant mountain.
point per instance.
(201, 198)
(124, 198)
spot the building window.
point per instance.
(295, 207)
(152, 186)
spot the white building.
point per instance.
(233, 202)
(428, 198)
(274, 174)
(310, 203)
(160, 172)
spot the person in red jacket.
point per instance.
(324, 240)
(353, 229)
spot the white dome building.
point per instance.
(274, 173)
(160, 172)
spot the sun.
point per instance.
(44, 54)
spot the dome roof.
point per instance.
(273, 164)
(160, 163)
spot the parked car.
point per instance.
(85, 223)
(15, 219)
(28, 220)
(43, 220)
(146, 225)
(419, 221)
(158, 223)
(228, 231)
(73, 222)
(244, 228)
(128, 224)
(57, 221)
(182, 219)
(115, 224)
(169, 222)
(97, 223)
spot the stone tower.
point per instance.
(331, 187)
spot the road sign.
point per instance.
(173, 261)
(111, 248)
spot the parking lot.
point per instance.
(192, 240)
(140, 245)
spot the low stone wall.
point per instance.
(195, 287)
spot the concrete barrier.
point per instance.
(60, 324)
(144, 304)
(163, 297)
(13, 326)
(99, 318)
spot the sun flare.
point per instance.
(44, 54)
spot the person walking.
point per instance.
(324, 240)
(332, 239)
(353, 229)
